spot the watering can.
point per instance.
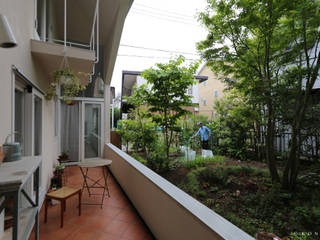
(11, 150)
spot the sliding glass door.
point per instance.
(70, 130)
(92, 129)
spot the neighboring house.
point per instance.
(209, 92)
(130, 78)
(87, 34)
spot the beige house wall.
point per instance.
(20, 15)
(207, 90)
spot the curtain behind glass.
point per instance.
(70, 130)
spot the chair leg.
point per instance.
(62, 211)
(80, 203)
(46, 209)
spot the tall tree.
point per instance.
(300, 70)
(265, 43)
(241, 41)
(167, 99)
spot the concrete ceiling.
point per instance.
(80, 16)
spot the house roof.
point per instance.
(129, 78)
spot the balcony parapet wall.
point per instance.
(169, 212)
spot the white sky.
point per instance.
(166, 25)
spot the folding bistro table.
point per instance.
(95, 183)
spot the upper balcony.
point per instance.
(86, 32)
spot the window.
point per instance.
(37, 130)
(27, 118)
(204, 102)
(215, 93)
(19, 118)
(190, 90)
(205, 83)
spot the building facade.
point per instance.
(209, 92)
(86, 35)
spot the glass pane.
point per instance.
(18, 119)
(69, 130)
(92, 131)
(37, 125)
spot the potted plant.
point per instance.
(56, 181)
(59, 169)
(64, 158)
(70, 83)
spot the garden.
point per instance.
(264, 175)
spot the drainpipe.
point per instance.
(107, 94)
(112, 121)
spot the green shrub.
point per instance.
(157, 158)
(299, 236)
(200, 161)
(139, 158)
(214, 175)
(193, 186)
(233, 170)
(141, 135)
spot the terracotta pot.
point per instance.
(1, 155)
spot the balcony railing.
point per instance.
(169, 212)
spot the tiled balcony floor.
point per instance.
(116, 220)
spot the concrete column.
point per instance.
(107, 94)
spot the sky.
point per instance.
(155, 31)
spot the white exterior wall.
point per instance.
(20, 15)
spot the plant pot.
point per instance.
(65, 80)
(71, 103)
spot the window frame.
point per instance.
(28, 116)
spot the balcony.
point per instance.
(142, 205)
(116, 220)
(50, 56)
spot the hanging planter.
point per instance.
(70, 83)
(70, 102)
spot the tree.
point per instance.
(257, 41)
(241, 41)
(300, 72)
(167, 99)
(233, 124)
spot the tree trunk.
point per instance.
(271, 160)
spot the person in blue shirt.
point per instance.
(204, 132)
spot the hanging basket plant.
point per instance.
(70, 83)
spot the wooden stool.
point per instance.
(62, 195)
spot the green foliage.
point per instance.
(142, 135)
(193, 186)
(234, 121)
(299, 236)
(308, 215)
(157, 159)
(139, 158)
(166, 99)
(116, 117)
(200, 161)
(214, 175)
(267, 48)
(70, 82)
